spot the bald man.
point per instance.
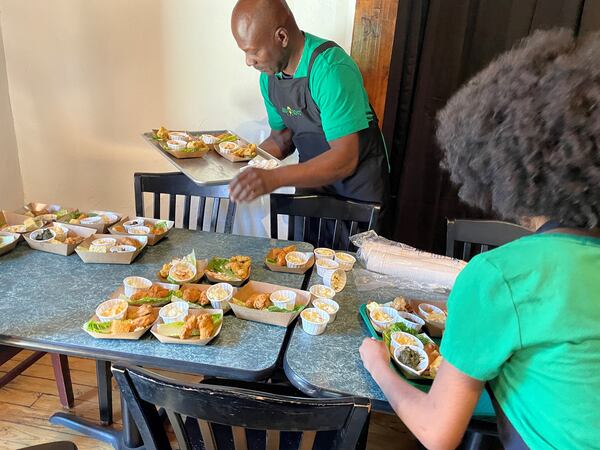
(316, 103)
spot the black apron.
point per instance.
(301, 115)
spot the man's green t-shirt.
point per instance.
(526, 318)
(336, 86)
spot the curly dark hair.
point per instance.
(522, 137)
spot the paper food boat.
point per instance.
(200, 269)
(134, 335)
(11, 219)
(100, 227)
(109, 258)
(286, 269)
(202, 288)
(152, 238)
(189, 341)
(11, 245)
(60, 248)
(279, 319)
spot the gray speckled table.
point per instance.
(46, 298)
(329, 364)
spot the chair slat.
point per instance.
(467, 251)
(272, 440)
(215, 214)
(337, 231)
(484, 248)
(353, 230)
(239, 438)
(274, 226)
(308, 440)
(321, 232)
(187, 206)
(229, 217)
(291, 227)
(200, 216)
(207, 435)
(178, 426)
(172, 206)
(156, 210)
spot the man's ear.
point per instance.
(282, 37)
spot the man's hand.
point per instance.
(374, 355)
(250, 184)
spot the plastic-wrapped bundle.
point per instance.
(387, 257)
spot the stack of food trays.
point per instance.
(289, 260)
(153, 229)
(402, 324)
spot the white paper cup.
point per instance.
(174, 312)
(406, 337)
(209, 139)
(325, 266)
(36, 233)
(228, 147)
(179, 136)
(422, 364)
(139, 230)
(217, 301)
(104, 242)
(312, 326)
(329, 306)
(324, 253)
(91, 220)
(176, 145)
(345, 260)
(379, 324)
(184, 264)
(133, 223)
(102, 307)
(131, 285)
(284, 299)
(411, 320)
(322, 291)
(295, 260)
(335, 279)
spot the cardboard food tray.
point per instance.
(235, 283)
(120, 291)
(134, 335)
(153, 239)
(99, 227)
(200, 269)
(230, 157)
(285, 269)
(60, 248)
(108, 258)
(36, 209)
(9, 219)
(8, 247)
(179, 154)
(204, 287)
(272, 318)
(190, 341)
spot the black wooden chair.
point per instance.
(60, 365)
(176, 183)
(236, 418)
(466, 238)
(318, 211)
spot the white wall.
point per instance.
(87, 77)
(11, 187)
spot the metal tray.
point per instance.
(212, 169)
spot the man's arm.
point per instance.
(339, 162)
(279, 143)
(438, 418)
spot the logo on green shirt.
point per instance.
(291, 112)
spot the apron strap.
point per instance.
(317, 51)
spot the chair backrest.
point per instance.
(318, 211)
(466, 238)
(176, 183)
(209, 406)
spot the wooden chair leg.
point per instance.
(60, 364)
(20, 368)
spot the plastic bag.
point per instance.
(405, 265)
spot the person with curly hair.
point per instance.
(522, 138)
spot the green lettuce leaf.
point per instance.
(282, 310)
(97, 327)
(218, 265)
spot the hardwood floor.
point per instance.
(29, 400)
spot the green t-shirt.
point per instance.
(526, 318)
(336, 85)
